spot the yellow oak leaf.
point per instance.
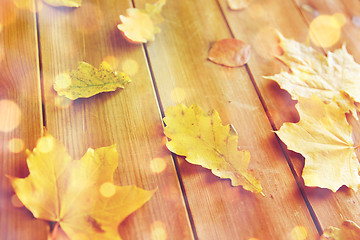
(88, 81)
(64, 3)
(141, 25)
(348, 231)
(204, 141)
(323, 137)
(77, 194)
(325, 76)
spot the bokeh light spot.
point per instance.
(16, 145)
(25, 4)
(157, 165)
(62, 102)
(253, 239)
(15, 201)
(63, 81)
(158, 231)
(299, 233)
(178, 95)
(340, 19)
(107, 189)
(10, 115)
(130, 67)
(325, 30)
(113, 61)
(45, 144)
(356, 20)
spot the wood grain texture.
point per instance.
(333, 208)
(265, 16)
(129, 117)
(183, 75)
(20, 113)
(349, 9)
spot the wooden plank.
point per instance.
(129, 117)
(344, 203)
(182, 73)
(265, 16)
(349, 9)
(20, 113)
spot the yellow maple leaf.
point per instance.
(323, 137)
(333, 76)
(348, 231)
(64, 3)
(204, 141)
(77, 194)
(140, 25)
(88, 81)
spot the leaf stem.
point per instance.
(54, 232)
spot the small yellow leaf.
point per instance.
(314, 73)
(64, 3)
(88, 81)
(203, 139)
(323, 137)
(141, 25)
(71, 192)
(348, 231)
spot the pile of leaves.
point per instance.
(326, 87)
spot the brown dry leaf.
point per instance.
(77, 194)
(230, 52)
(333, 76)
(141, 25)
(204, 141)
(238, 4)
(348, 231)
(323, 137)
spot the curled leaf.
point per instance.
(77, 194)
(203, 139)
(64, 3)
(323, 137)
(141, 25)
(230, 52)
(88, 81)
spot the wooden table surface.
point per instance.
(39, 42)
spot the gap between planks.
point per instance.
(272, 123)
(40, 67)
(173, 156)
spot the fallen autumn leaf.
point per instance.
(230, 52)
(204, 141)
(77, 194)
